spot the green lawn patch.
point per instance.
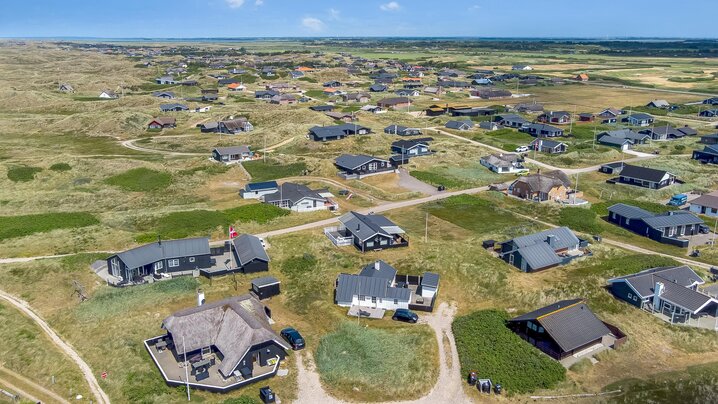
(437, 179)
(22, 173)
(487, 346)
(60, 167)
(374, 365)
(316, 94)
(307, 79)
(580, 219)
(479, 215)
(25, 225)
(273, 170)
(201, 222)
(141, 180)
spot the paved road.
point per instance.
(448, 386)
(100, 396)
(569, 171)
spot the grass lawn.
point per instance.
(273, 170)
(22, 173)
(199, 222)
(402, 365)
(487, 346)
(141, 180)
(19, 226)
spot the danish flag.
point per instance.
(232, 232)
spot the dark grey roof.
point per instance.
(366, 226)
(336, 130)
(563, 237)
(430, 279)
(151, 253)
(248, 249)
(672, 219)
(410, 143)
(570, 323)
(628, 211)
(707, 200)
(232, 150)
(677, 283)
(617, 141)
(539, 255)
(379, 269)
(547, 142)
(643, 173)
(640, 116)
(625, 134)
(538, 127)
(353, 161)
(459, 124)
(265, 281)
(357, 285)
(292, 192)
(394, 129)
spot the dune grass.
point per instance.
(24, 225)
(141, 180)
(273, 170)
(351, 358)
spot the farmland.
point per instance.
(110, 184)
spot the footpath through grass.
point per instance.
(25, 225)
(369, 364)
(486, 346)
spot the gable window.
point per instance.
(191, 259)
(630, 296)
(173, 263)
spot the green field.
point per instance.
(22, 173)
(141, 180)
(273, 170)
(19, 226)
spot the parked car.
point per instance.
(678, 200)
(703, 229)
(293, 337)
(405, 315)
(522, 149)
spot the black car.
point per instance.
(293, 337)
(703, 229)
(405, 315)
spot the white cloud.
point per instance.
(334, 14)
(312, 24)
(259, 2)
(390, 6)
(234, 3)
(475, 7)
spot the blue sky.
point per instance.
(272, 18)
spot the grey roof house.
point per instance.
(300, 198)
(542, 250)
(668, 228)
(503, 163)
(357, 166)
(645, 177)
(367, 232)
(336, 132)
(232, 154)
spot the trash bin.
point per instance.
(267, 395)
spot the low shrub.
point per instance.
(60, 167)
(24, 225)
(22, 173)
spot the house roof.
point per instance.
(458, 124)
(629, 211)
(539, 255)
(232, 150)
(538, 127)
(249, 248)
(336, 130)
(569, 322)
(394, 101)
(293, 193)
(707, 200)
(563, 238)
(366, 226)
(165, 120)
(640, 116)
(172, 106)
(545, 182)
(430, 279)
(618, 141)
(501, 160)
(233, 124)
(643, 173)
(625, 134)
(265, 281)
(410, 143)
(358, 285)
(672, 219)
(677, 283)
(354, 161)
(379, 269)
(255, 186)
(165, 249)
(547, 142)
(233, 325)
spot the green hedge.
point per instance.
(488, 347)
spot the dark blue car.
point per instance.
(405, 315)
(293, 337)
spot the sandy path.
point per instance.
(29, 383)
(100, 396)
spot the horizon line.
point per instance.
(146, 38)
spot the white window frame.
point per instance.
(192, 259)
(115, 266)
(630, 295)
(173, 263)
(158, 265)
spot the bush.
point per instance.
(20, 226)
(486, 345)
(580, 219)
(141, 180)
(273, 170)
(307, 79)
(60, 167)
(22, 173)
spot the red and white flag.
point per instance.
(232, 232)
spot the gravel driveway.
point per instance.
(415, 185)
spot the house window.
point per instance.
(173, 263)
(373, 299)
(115, 266)
(396, 301)
(361, 297)
(383, 241)
(635, 298)
(511, 259)
(630, 296)
(191, 259)
(540, 330)
(158, 265)
(369, 244)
